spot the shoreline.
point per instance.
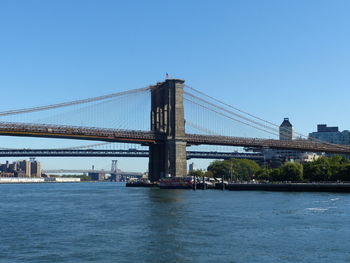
(292, 187)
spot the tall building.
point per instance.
(191, 167)
(24, 167)
(286, 130)
(21, 168)
(35, 169)
(331, 135)
(96, 176)
(13, 167)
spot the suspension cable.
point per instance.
(70, 103)
(229, 117)
(231, 112)
(244, 112)
(257, 123)
(200, 128)
(228, 105)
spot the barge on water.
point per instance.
(141, 183)
(186, 182)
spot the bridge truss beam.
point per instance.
(121, 153)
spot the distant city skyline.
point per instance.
(273, 59)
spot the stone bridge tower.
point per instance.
(168, 157)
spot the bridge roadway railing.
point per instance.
(77, 132)
(120, 153)
(61, 171)
(302, 145)
(72, 153)
(148, 137)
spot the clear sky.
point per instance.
(274, 59)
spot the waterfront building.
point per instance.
(278, 156)
(35, 169)
(95, 176)
(286, 130)
(13, 166)
(5, 167)
(21, 169)
(191, 167)
(331, 135)
(275, 157)
(5, 174)
(24, 168)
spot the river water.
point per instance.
(106, 222)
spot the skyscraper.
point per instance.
(24, 167)
(286, 130)
(35, 169)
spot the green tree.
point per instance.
(263, 174)
(337, 164)
(319, 170)
(241, 169)
(292, 172)
(276, 175)
(198, 173)
(208, 174)
(344, 174)
(218, 169)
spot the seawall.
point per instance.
(293, 187)
(22, 180)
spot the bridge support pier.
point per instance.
(168, 157)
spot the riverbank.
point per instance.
(23, 180)
(277, 187)
(293, 187)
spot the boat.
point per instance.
(219, 185)
(209, 183)
(186, 182)
(140, 183)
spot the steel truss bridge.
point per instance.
(81, 171)
(122, 153)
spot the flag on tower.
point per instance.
(166, 76)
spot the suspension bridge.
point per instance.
(167, 117)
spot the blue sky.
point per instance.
(273, 59)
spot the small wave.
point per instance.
(327, 201)
(320, 209)
(317, 209)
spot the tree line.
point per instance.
(324, 169)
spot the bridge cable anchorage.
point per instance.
(70, 103)
(253, 116)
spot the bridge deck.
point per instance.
(147, 137)
(120, 153)
(301, 145)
